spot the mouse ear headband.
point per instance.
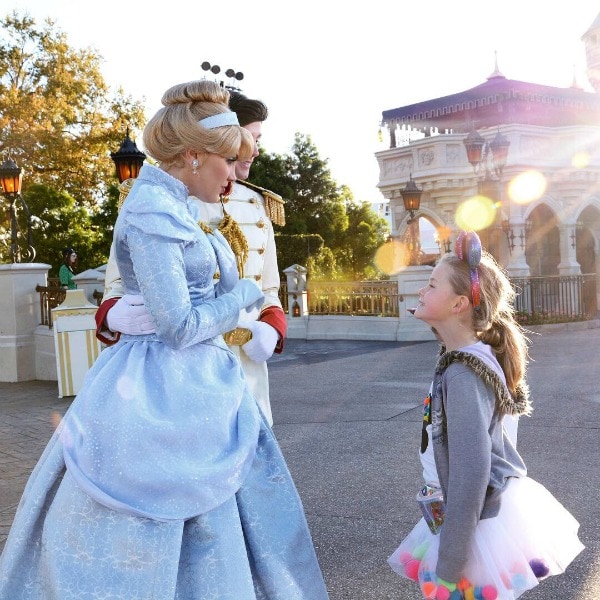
(468, 248)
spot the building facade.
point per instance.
(547, 134)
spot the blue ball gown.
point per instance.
(163, 479)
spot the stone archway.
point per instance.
(542, 250)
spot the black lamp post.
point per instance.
(11, 178)
(411, 197)
(128, 159)
(479, 152)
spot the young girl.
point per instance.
(488, 532)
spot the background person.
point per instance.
(488, 530)
(246, 218)
(67, 269)
(159, 481)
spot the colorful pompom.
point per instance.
(463, 584)
(412, 569)
(456, 595)
(443, 593)
(518, 581)
(489, 592)
(429, 590)
(539, 567)
(404, 557)
(419, 551)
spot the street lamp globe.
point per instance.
(128, 159)
(11, 177)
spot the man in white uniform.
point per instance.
(246, 219)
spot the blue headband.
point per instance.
(219, 120)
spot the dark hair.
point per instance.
(67, 252)
(247, 110)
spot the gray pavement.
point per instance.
(347, 416)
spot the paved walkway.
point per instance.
(347, 416)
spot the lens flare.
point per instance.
(126, 387)
(527, 187)
(392, 257)
(580, 160)
(475, 214)
(55, 418)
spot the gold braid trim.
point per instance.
(205, 227)
(274, 203)
(124, 189)
(237, 240)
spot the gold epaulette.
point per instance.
(124, 189)
(274, 203)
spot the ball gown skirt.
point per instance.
(533, 537)
(79, 535)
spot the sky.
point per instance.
(326, 69)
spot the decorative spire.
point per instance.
(496, 72)
(574, 84)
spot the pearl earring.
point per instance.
(195, 166)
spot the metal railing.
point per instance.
(50, 297)
(555, 299)
(552, 299)
(358, 298)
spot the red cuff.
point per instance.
(101, 327)
(275, 317)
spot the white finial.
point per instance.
(496, 72)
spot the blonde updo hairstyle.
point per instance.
(175, 129)
(494, 319)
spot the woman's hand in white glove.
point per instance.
(264, 339)
(129, 316)
(249, 294)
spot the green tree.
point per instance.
(59, 222)
(348, 233)
(58, 119)
(365, 233)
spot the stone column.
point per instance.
(517, 265)
(297, 318)
(568, 251)
(19, 318)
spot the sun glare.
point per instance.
(476, 213)
(580, 160)
(527, 187)
(392, 257)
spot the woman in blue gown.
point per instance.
(163, 479)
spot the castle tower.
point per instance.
(591, 39)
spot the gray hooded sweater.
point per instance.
(468, 402)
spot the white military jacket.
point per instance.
(248, 207)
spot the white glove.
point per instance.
(250, 314)
(129, 316)
(264, 339)
(248, 294)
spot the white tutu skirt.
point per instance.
(532, 537)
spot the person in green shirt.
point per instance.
(66, 271)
